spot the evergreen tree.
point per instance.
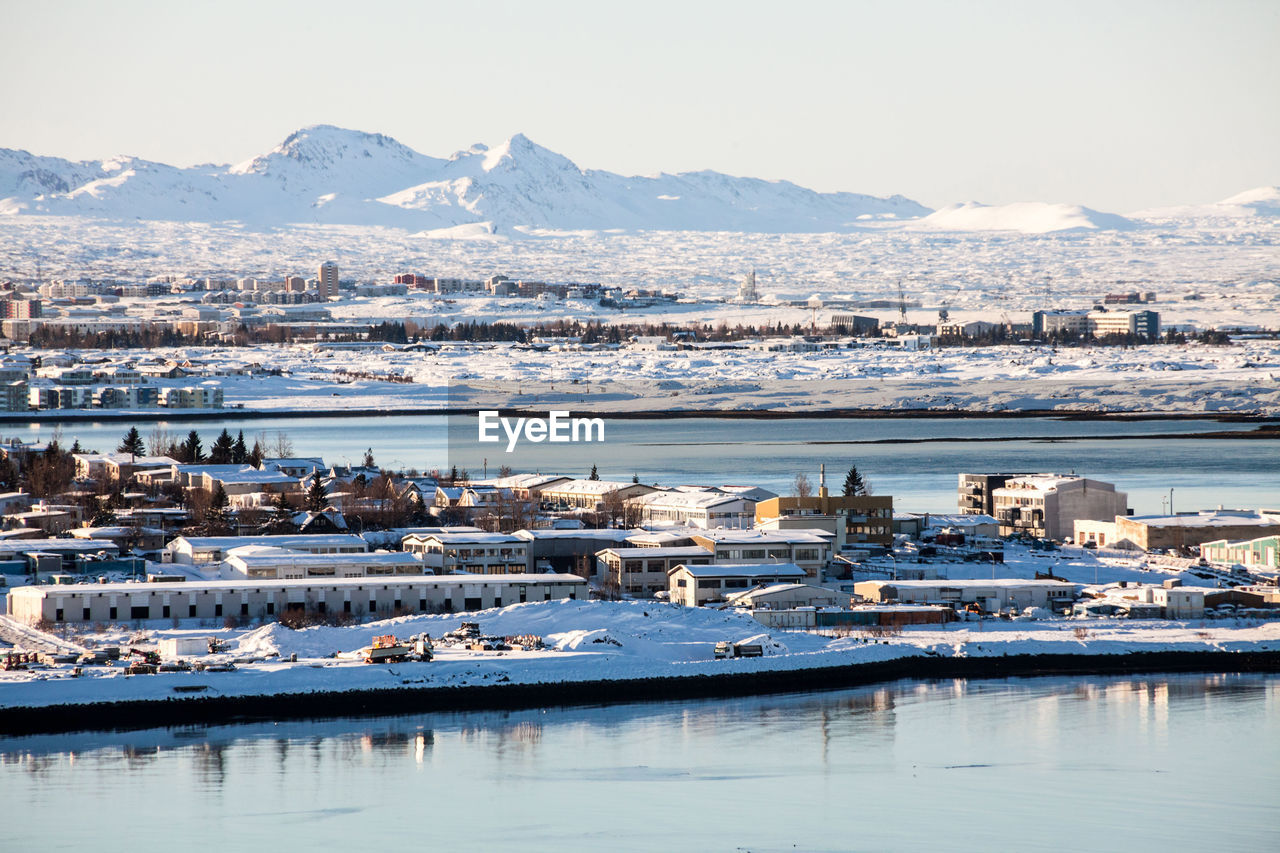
(635, 478)
(317, 497)
(595, 475)
(239, 452)
(192, 450)
(854, 484)
(217, 518)
(256, 455)
(223, 448)
(281, 520)
(132, 443)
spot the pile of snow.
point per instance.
(1031, 217)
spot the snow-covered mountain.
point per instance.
(324, 174)
(1028, 217)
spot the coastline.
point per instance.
(174, 711)
(59, 416)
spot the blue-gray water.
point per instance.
(1187, 762)
(920, 474)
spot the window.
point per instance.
(346, 606)
(165, 612)
(244, 608)
(191, 611)
(86, 614)
(271, 608)
(217, 610)
(112, 614)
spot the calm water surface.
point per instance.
(1154, 763)
(920, 473)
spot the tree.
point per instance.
(802, 487)
(132, 443)
(595, 475)
(281, 520)
(854, 484)
(239, 452)
(504, 471)
(317, 496)
(367, 461)
(256, 455)
(635, 478)
(217, 518)
(223, 449)
(192, 450)
(161, 443)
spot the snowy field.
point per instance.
(588, 641)
(1207, 266)
(1189, 379)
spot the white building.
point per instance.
(704, 509)
(991, 595)
(1048, 505)
(693, 586)
(264, 561)
(264, 599)
(470, 553)
(206, 550)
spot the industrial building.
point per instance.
(991, 595)
(265, 599)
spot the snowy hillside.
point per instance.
(1024, 217)
(328, 175)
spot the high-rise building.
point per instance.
(327, 280)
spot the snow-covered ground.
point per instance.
(589, 641)
(1191, 378)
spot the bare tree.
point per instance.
(802, 487)
(160, 442)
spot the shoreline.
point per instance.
(143, 714)
(149, 416)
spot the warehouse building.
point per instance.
(249, 599)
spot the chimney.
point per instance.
(822, 480)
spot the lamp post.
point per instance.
(1171, 512)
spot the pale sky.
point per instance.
(1115, 105)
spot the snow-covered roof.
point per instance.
(593, 487)
(615, 534)
(973, 584)
(743, 570)
(761, 537)
(658, 553)
(292, 541)
(1209, 518)
(287, 583)
(465, 538)
(687, 500)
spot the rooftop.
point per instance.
(741, 570)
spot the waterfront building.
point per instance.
(1048, 505)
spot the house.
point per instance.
(866, 518)
(803, 548)
(703, 508)
(206, 550)
(642, 572)
(1048, 505)
(591, 495)
(469, 553)
(691, 585)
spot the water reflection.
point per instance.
(819, 770)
